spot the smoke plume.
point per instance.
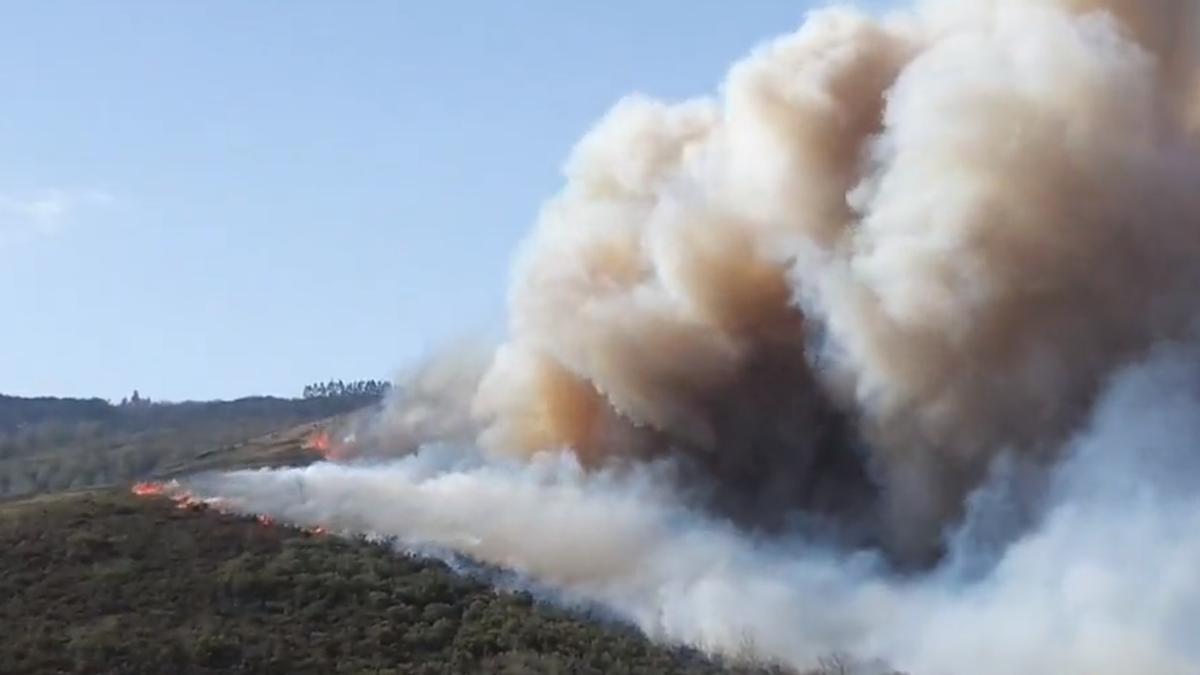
(913, 292)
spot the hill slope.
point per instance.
(52, 444)
(105, 582)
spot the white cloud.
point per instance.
(45, 212)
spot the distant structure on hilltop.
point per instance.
(135, 401)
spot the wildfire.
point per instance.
(176, 493)
(148, 489)
(190, 503)
(319, 443)
(187, 501)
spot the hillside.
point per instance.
(53, 444)
(105, 582)
(98, 580)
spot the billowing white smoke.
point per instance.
(1104, 583)
(889, 272)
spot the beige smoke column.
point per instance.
(977, 210)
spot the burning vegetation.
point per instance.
(185, 500)
(320, 443)
(174, 491)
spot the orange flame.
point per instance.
(187, 501)
(319, 443)
(149, 489)
(175, 492)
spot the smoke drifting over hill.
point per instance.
(913, 291)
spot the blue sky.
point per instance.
(214, 199)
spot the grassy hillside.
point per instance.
(105, 582)
(50, 444)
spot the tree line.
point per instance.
(340, 389)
